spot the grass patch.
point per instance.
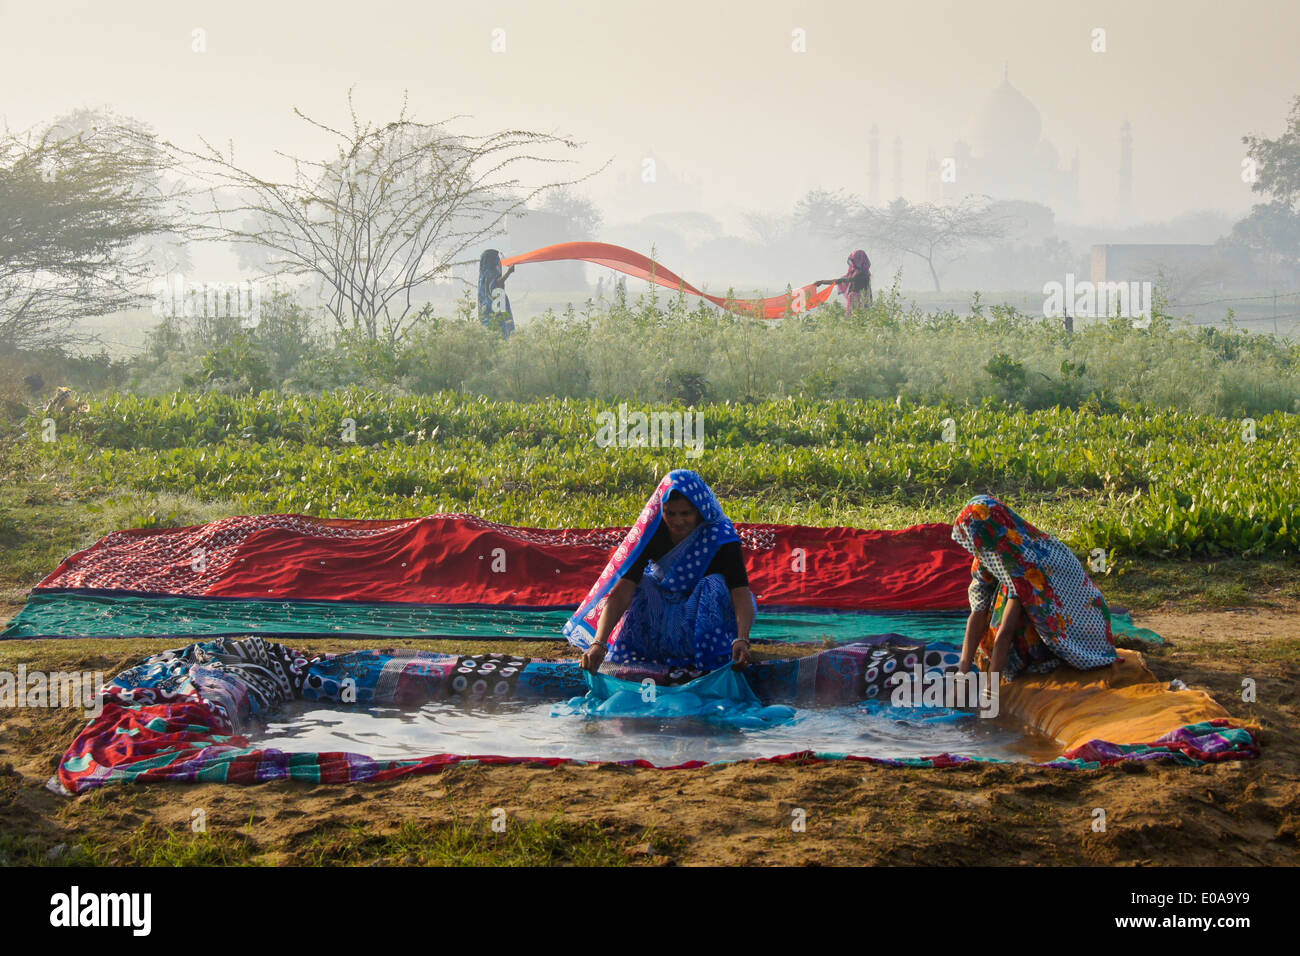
(523, 842)
(147, 845)
(44, 517)
(154, 845)
(25, 850)
(1203, 585)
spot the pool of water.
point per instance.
(518, 729)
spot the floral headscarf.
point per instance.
(1058, 597)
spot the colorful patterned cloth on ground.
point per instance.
(1064, 617)
(679, 617)
(1193, 744)
(179, 715)
(234, 678)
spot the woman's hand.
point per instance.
(976, 625)
(1002, 641)
(742, 599)
(592, 657)
(740, 654)
(619, 598)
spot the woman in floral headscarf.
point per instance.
(854, 285)
(1045, 609)
(675, 592)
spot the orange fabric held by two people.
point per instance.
(643, 267)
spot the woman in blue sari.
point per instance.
(493, 303)
(675, 593)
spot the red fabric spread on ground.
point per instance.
(640, 266)
(450, 559)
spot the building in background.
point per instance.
(1182, 264)
(1008, 158)
(653, 187)
(533, 229)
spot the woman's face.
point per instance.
(682, 518)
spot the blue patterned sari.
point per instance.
(679, 617)
(493, 312)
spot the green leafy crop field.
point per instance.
(1131, 481)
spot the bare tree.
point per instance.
(768, 228)
(75, 208)
(166, 252)
(395, 208)
(935, 234)
(826, 213)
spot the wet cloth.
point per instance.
(493, 303)
(1064, 619)
(722, 697)
(177, 716)
(681, 615)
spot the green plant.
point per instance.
(1108, 474)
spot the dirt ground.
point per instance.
(1234, 813)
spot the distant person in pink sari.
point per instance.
(854, 285)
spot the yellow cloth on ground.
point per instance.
(1124, 703)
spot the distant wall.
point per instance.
(1141, 262)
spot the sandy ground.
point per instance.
(1235, 813)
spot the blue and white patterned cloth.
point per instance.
(659, 627)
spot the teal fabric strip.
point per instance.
(62, 614)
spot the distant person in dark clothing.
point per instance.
(493, 303)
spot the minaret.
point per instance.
(898, 167)
(1126, 170)
(873, 166)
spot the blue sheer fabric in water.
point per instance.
(722, 697)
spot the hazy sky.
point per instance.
(713, 87)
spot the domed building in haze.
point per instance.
(1007, 158)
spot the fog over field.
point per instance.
(704, 127)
